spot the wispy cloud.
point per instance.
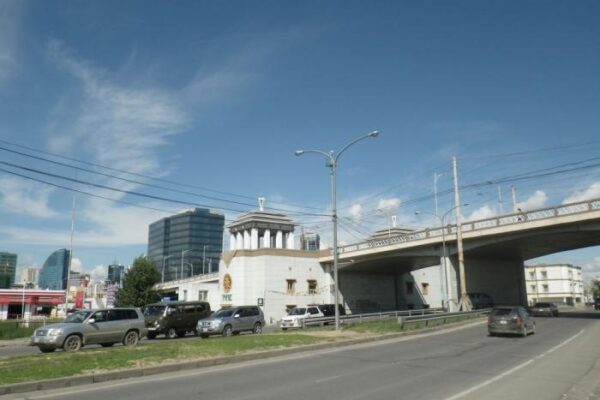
(536, 200)
(22, 197)
(592, 192)
(482, 213)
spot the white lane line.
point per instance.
(514, 369)
(328, 379)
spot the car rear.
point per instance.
(505, 320)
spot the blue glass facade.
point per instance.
(53, 274)
(198, 233)
(8, 269)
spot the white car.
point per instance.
(298, 314)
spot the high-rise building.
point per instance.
(54, 272)
(186, 244)
(29, 277)
(116, 273)
(8, 269)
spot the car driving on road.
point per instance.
(232, 321)
(548, 309)
(102, 326)
(511, 320)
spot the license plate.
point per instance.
(204, 329)
(503, 322)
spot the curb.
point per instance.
(66, 382)
(21, 342)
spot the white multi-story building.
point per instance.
(557, 283)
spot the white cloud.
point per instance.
(537, 200)
(98, 274)
(592, 192)
(355, 211)
(388, 205)
(24, 197)
(76, 265)
(482, 213)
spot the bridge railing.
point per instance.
(469, 226)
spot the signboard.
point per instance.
(109, 294)
(261, 301)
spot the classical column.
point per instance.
(239, 243)
(267, 239)
(290, 241)
(254, 239)
(232, 243)
(279, 240)
(246, 240)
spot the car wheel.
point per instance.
(181, 333)
(151, 335)
(106, 344)
(491, 334)
(171, 333)
(204, 336)
(131, 339)
(284, 329)
(257, 328)
(227, 331)
(47, 349)
(72, 343)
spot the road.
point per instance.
(561, 359)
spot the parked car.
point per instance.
(481, 300)
(102, 326)
(549, 309)
(174, 319)
(298, 314)
(232, 321)
(328, 310)
(515, 320)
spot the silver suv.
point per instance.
(232, 321)
(103, 326)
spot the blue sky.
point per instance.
(218, 95)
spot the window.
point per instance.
(409, 287)
(189, 308)
(291, 286)
(533, 288)
(312, 310)
(532, 275)
(544, 274)
(545, 287)
(312, 286)
(425, 288)
(202, 295)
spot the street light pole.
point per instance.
(165, 258)
(331, 162)
(446, 275)
(182, 254)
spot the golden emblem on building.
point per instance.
(227, 283)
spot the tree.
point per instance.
(137, 290)
(596, 289)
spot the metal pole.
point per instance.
(465, 303)
(203, 259)
(435, 179)
(70, 256)
(514, 198)
(446, 296)
(500, 205)
(333, 162)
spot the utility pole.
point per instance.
(500, 205)
(70, 256)
(514, 198)
(465, 302)
(435, 179)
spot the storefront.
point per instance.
(29, 303)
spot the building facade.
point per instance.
(558, 283)
(116, 273)
(54, 272)
(29, 277)
(186, 244)
(8, 269)
(310, 241)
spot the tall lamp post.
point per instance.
(182, 255)
(446, 277)
(165, 258)
(331, 158)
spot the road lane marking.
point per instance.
(328, 379)
(514, 369)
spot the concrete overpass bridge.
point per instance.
(495, 250)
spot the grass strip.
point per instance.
(14, 329)
(61, 364)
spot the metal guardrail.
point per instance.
(502, 220)
(428, 314)
(360, 318)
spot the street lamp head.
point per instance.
(298, 153)
(373, 134)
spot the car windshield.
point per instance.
(154, 311)
(78, 317)
(501, 311)
(298, 311)
(223, 313)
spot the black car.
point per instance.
(328, 310)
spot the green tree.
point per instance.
(596, 289)
(138, 284)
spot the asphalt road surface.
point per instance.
(561, 361)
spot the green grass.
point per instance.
(14, 329)
(60, 364)
(391, 325)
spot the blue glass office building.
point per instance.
(8, 269)
(53, 275)
(196, 234)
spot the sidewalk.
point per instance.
(15, 342)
